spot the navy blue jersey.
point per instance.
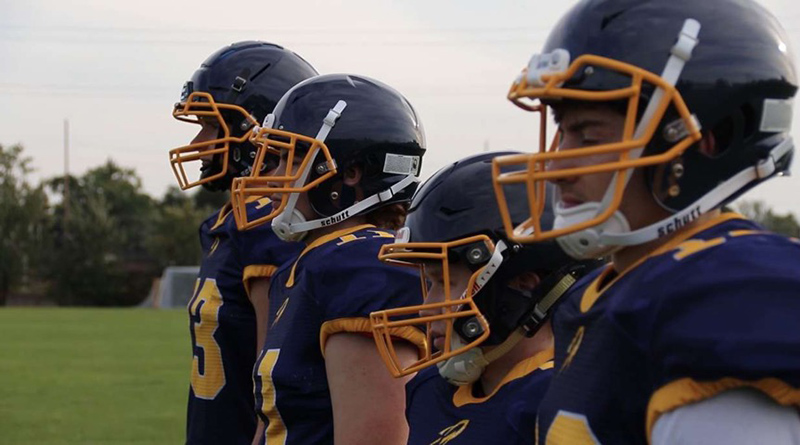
(331, 288)
(440, 413)
(714, 309)
(223, 326)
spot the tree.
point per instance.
(211, 200)
(23, 215)
(759, 212)
(99, 254)
(174, 239)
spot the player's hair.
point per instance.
(390, 217)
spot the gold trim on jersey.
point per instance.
(222, 216)
(362, 325)
(686, 391)
(323, 240)
(599, 285)
(255, 271)
(542, 360)
(451, 432)
(227, 208)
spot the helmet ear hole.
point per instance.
(719, 139)
(352, 174)
(750, 121)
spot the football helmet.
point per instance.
(452, 220)
(673, 68)
(233, 90)
(320, 128)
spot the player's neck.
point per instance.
(496, 371)
(322, 231)
(627, 257)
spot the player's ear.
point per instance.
(525, 281)
(352, 175)
(708, 144)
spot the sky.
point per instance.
(114, 70)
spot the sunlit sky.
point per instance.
(114, 69)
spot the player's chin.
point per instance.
(438, 343)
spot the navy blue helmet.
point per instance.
(322, 127)
(453, 219)
(705, 87)
(234, 89)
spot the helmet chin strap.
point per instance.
(282, 224)
(601, 239)
(467, 367)
(587, 243)
(708, 202)
(356, 208)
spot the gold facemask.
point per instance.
(451, 308)
(532, 91)
(297, 153)
(201, 106)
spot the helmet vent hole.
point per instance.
(610, 18)
(260, 71)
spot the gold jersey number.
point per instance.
(570, 429)
(276, 430)
(208, 375)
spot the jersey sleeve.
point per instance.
(727, 319)
(739, 416)
(261, 252)
(355, 283)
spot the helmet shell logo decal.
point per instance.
(676, 223)
(186, 91)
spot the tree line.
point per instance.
(104, 246)
(101, 248)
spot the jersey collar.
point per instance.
(323, 240)
(597, 287)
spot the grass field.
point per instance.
(93, 376)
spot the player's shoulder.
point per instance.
(730, 250)
(426, 381)
(349, 249)
(216, 220)
(535, 382)
(258, 207)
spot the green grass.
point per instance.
(93, 376)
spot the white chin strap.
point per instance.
(591, 242)
(603, 239)
(706, 203)
(283, 223)
(463, 368)
(468, 366)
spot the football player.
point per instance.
(350, 150)
(666, 111)
(485, 313)
(228, 96)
